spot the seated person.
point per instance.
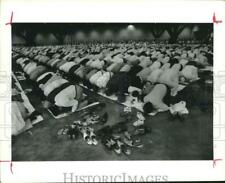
(19, 115)
(155, 100)
(21, 118)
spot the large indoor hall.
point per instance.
(112, 91)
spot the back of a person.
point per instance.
(156, 95)
(53, 78)
(37, 72)
(155, 65)
(190, 72)
(169, 74)
(65, 96)
(154, 76)
(52, 85)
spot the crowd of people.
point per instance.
(150, 73)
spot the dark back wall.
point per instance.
(68, 33)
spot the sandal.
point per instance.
(125, 150)
(141, 130)
(138, 123)
(63, 131)
(115, 137)
(93, 138)
(117, 147)
(86, 136)
(140, 116)
(127, 109)
(137, 143)
(77, 123)
(127, 135)
(128, 142)
(109, 143)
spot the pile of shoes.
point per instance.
(119, 139)
(111, 139)
(84, 127)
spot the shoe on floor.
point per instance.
(138, 123)
(125, 150)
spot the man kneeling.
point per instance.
(157, 99)
(68, 96)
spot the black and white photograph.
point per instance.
(112, 91)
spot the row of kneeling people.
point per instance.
(57, 91)
(136, 79)
(84, 68)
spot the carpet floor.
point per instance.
(170, 138)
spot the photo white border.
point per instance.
(117, 11)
